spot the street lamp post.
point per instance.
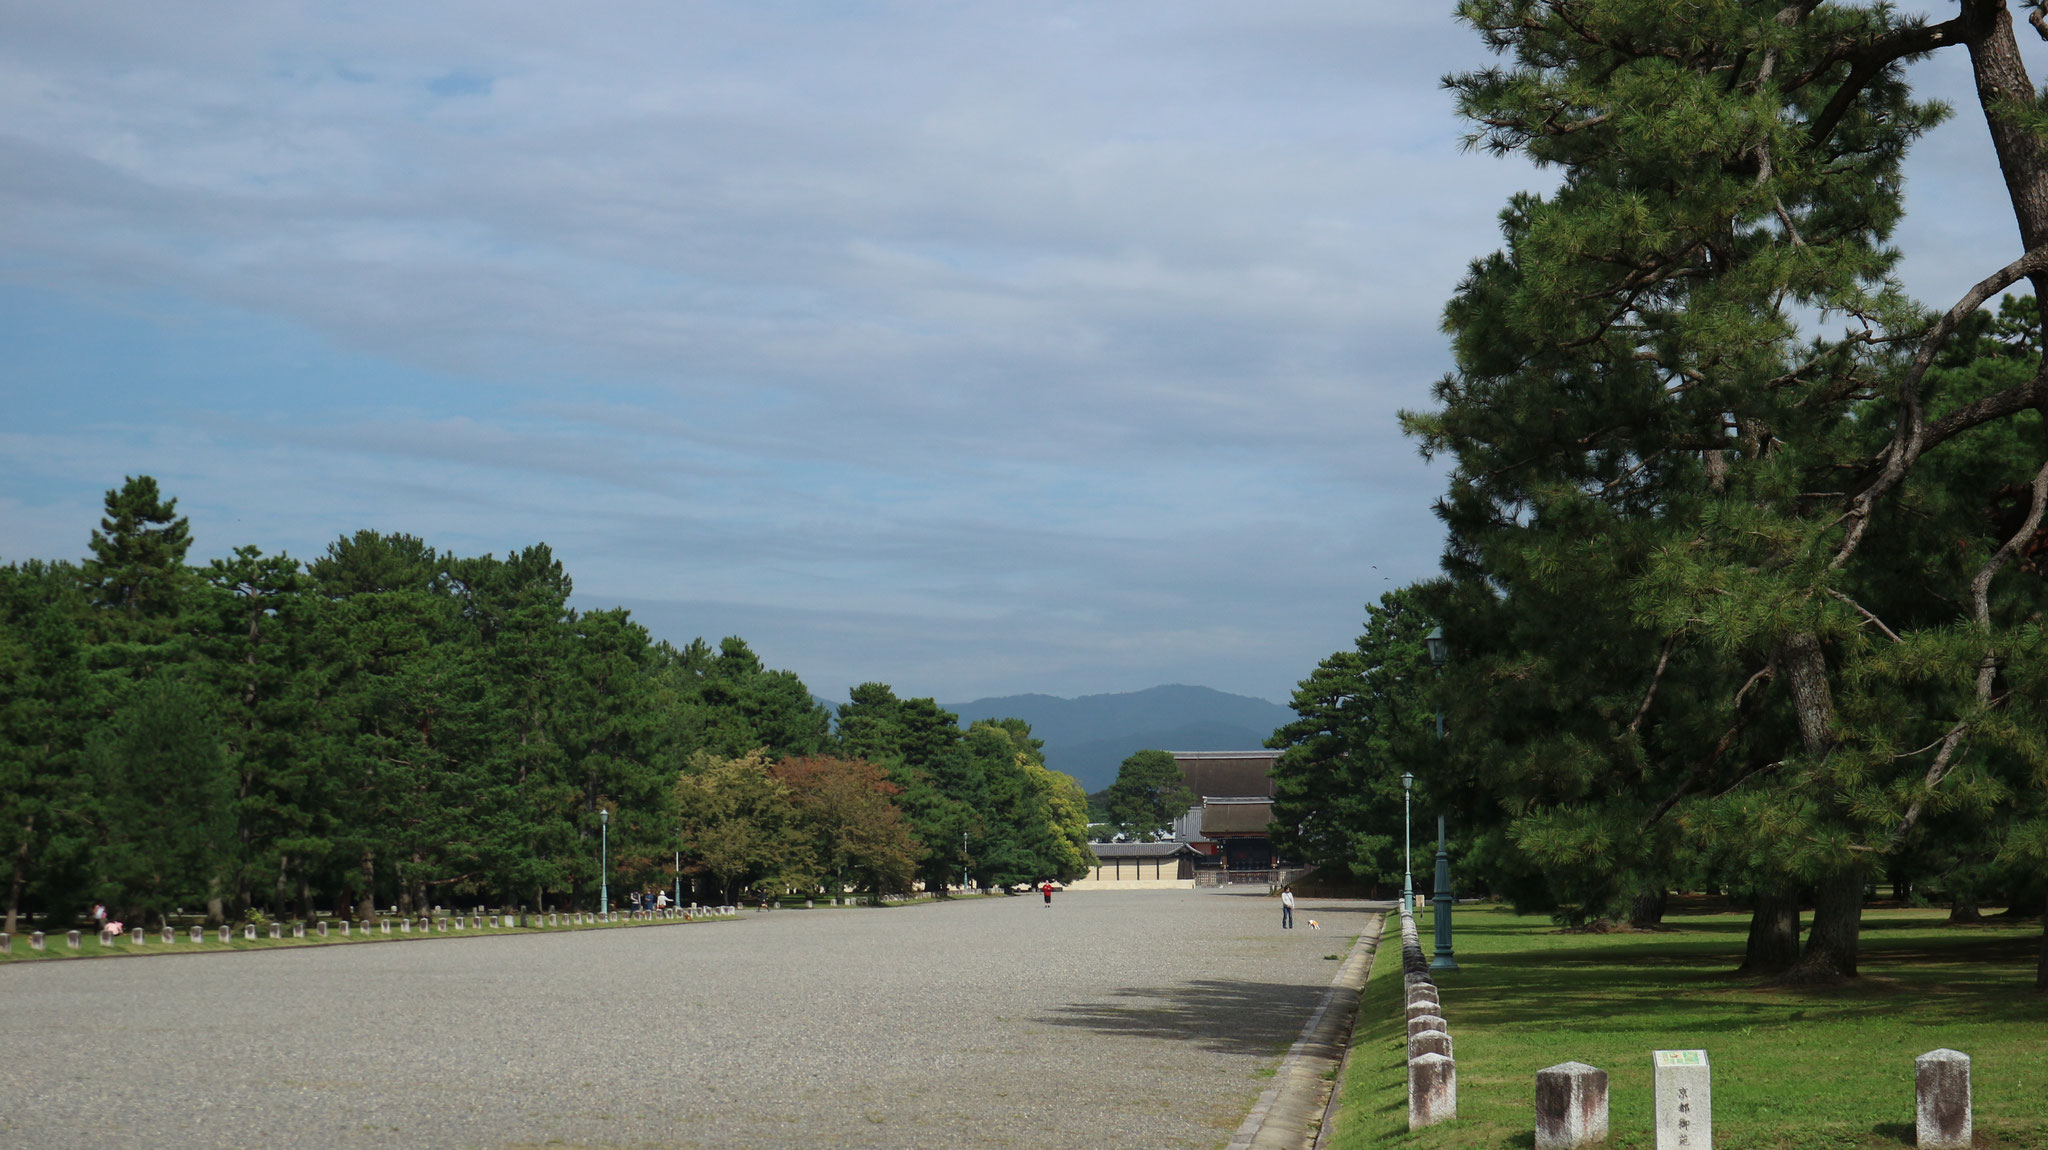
(963, 862)
(604, 865)
(1439, 654)
(679, 878)
(1407, 842)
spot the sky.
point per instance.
(975, 348)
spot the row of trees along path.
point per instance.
(394, 725)
(1744, 584)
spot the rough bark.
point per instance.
(1837, 925)
(1648, 909)
(2041, 964)
(28, 834)
(1963, 908)
(1773, 934)
(367, 907)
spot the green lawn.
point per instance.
(1792, 1068)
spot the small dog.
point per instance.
(1314, 925)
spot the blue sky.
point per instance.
(975, 348)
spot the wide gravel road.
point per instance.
(1114, 1019)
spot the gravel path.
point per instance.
(1114, 1019)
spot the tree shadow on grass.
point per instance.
(1227, 1017)
(1648, 978)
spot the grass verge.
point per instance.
(56, 948)
(1830, 1067)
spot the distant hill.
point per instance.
(1089, 736)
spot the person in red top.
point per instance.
(1046, 887)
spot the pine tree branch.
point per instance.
(1866, 63)
(1914, 438)
(1865, 612)
(1656, 678)
(1987, 667)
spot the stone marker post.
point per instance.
(405, 926)
(298, 930)
(6, 942)
(277, 930)
(1432, 1090)
(71, 938)
(1685, 1099)
(344, 928)
(35, 940)
(224, 934)
(138, 936)
(170, 935)
(1571, 1106)
(106, 937)
(320, 928)
(1418, 1023)
(1941, 1079)
(1423, 1006)
(199, 935)
(1430, 1042)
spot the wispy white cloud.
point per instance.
(987, 348)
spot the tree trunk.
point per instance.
(367, 907)
(216, 911)
(1837, 923)
(28, 834)
(1773, 934)
(2041, 964)
(1963, 908)
(1648, 909)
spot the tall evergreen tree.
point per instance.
(1669, 507)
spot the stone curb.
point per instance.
(1289, 1111)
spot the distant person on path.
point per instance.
(1046, 888)
(661, 901)
(1287, 908)
(99, 916)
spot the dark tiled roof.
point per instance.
(1227, 772)
(1137, 850)
(1236, 816)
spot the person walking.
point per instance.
(1046, 888)
(1287, 908)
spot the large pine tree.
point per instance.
(1691, 412)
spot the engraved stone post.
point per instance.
(344, 928)
(405, 926)
(6, 942)
(459, 921)
(225, 934)
(384, 926)
(106, 937)
(199, 935)
(1942, 1082)
(1571, 1106)
(170, 935)
(320, 928)
(35, 940)
(1424, 1006)
(298, 930)
(72, 938)
(1432, 1090)
(1421, 1022)
(1685, 1101)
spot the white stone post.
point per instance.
(225, 934)
(1571, 1106)
(1942, 1120)
(199, 935)
(1432, 1090)
(170, 935)
(1417, 1023)
(1430, 1042)
(35, 940)
(1685, 1099)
